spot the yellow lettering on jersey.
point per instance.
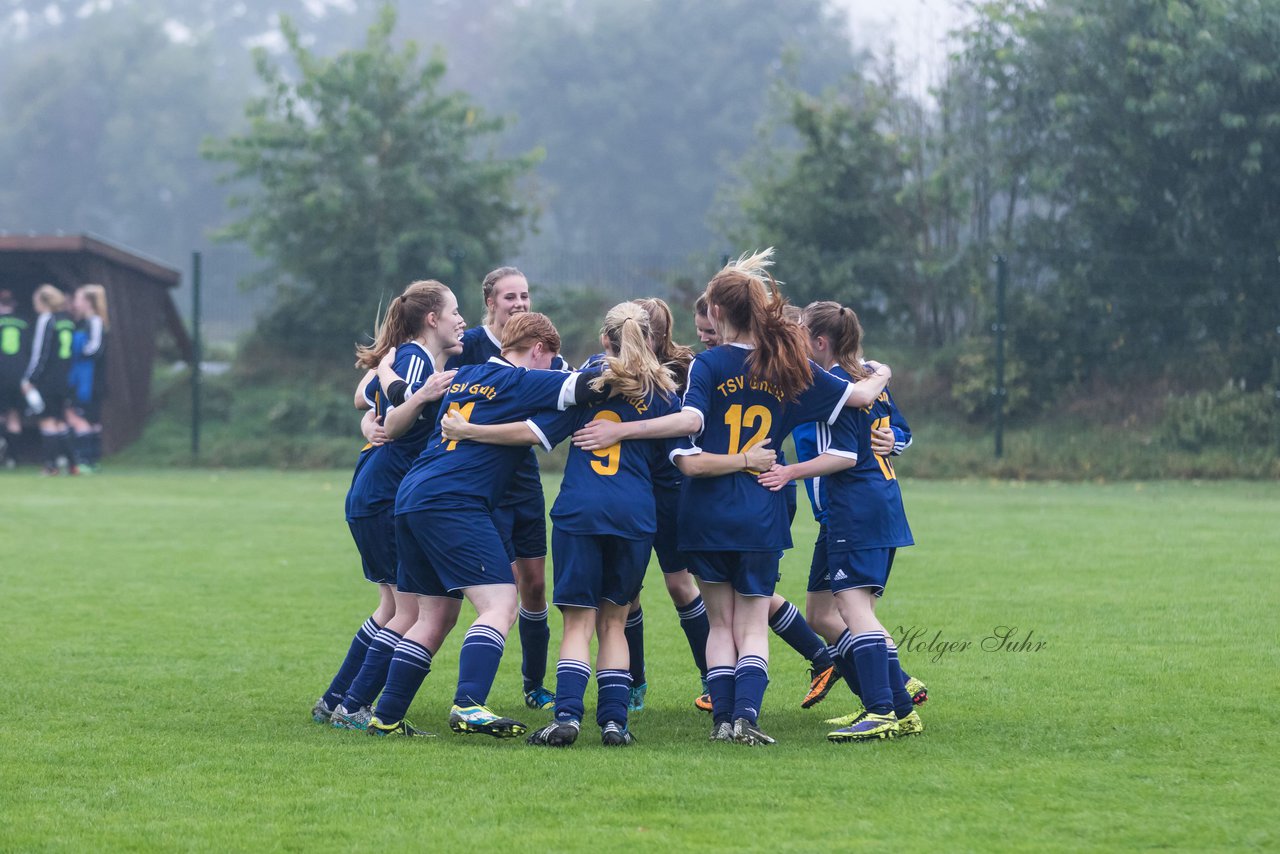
(465, 411)
(886, 467)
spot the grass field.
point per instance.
(165, 633)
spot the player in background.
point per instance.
(421, 327)
(15, 345)
(521, 515)
(865, 526)
(749, 393)
(87, 378)
(449, 546)
(45, 379)
(785, 619)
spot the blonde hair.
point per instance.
(750, 300)
(490, 281)
(403, 320)
(528, 328)
(97, 297)
(634, 371)
(49, 298)
(674, 357)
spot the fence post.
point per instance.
(1002, 276)
(196, 355)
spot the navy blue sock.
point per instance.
(897, 683)
(409, 666)
(871, 654)
(373, 671)
(693, 619)
(635, 643)
(477, 664)
(65, 447)
(535, 637)
(842, 655)
(750, 678)
(571, 686)
(790, 625)
(720, 687)
(351, 664)
(614, 687)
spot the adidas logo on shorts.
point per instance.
(840, 576)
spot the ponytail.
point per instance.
(750, 300)
(403, 321)
(634, 371)
(674, 357)
(840, 326)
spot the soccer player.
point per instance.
(46, 374)
(15, 344)
(865, 526)
(86, 377)
(749, 393)
(666, 493)
(449, 546)
(422, 325)
(785, 619)
(521, 515)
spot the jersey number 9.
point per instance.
(611, 456)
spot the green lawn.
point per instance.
(165, 633)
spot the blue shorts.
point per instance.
(443, 552)
(819, 575)
(523, 528)
(375, 538)
(750, 573)
(860, 568)
(670, 558)
(590, 568)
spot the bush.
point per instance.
(1229, 417)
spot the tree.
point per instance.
(361, 176)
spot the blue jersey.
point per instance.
(609, 491)
(454, 475)
(806, 439)
(479, 345)
(380, 470)
(665, 476)
(863, 503)
(734, 512)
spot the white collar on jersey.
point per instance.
(498, 360)
(492, 337)
(743, 346)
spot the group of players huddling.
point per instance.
(671, 452)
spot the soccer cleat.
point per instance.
(820, 682)
(919, 693)
(556, 734)
(479, 720)
(868, 727)
(401, 728)
(745, 732)
(539, 698)
(635, 702)
(616, 735)
(320, 712)
(703, 703)
(359, 719)
(845, 720)
(722, 732)
(910, 725)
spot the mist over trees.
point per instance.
(1121, 156)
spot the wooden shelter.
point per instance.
(139, 303)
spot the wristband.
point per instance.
(396, 392)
